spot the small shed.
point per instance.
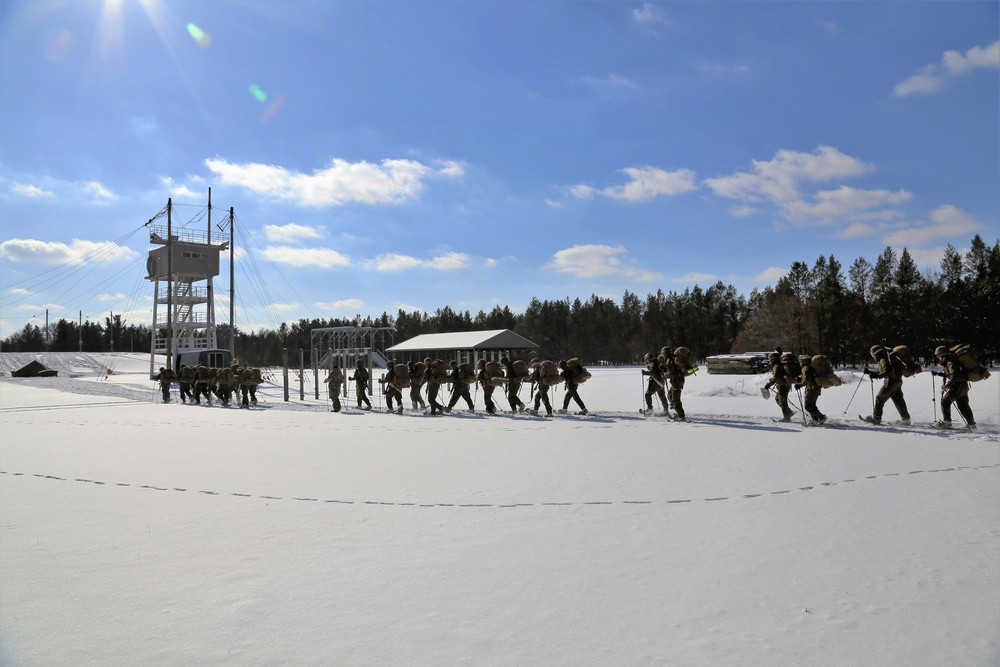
(464, 346)
(34, 369)
(748, 363)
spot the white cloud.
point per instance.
(645, 183)
(393, 262)
(857, 230)
(936, 77)
(390, 182)
(946, 222)
(32, 191)
(112, 297)
(284, 307)
(99, 193)
(352, 305)
(177, 189)
(721, 69)
(927, 258)
(595, 261)
(783, 181)
(291, 232)
(78, 250)
(323, 258)
(770, 275)
(743, 211)
(407, 308)
(650, 15)
(695, 277)
(450, 261)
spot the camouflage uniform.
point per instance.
(459, 389)
(166, 377)
(955, 388)
(892, 386)
(656, 383)
(541, 391)
(488, 387)
(334, 381)
(513, 385)
(676, 375)
(391, 390)
(360, 378)
(569, 375)
(813, 391)
(781, 384)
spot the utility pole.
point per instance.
(232, 285)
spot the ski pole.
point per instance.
(852, 398)
(933, 396)
(798, 390)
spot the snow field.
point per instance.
(175, 534)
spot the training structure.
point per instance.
(465, 347)
(182, 268)
(344, 346)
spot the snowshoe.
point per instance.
(942, 424)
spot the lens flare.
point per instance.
(258, 93)
(272, 109)
(201, 38)
(59, 46)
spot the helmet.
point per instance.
(648, 358)
(481, 364)
(773, 357)
(360, 363)
(940, 351)
(535, 362)
(876, 349)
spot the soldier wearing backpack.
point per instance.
(186, 380)
(781, 383)
(335, 381)
(955, 388)
(166, 377)
(676, 371)
(460, 385)
(360, 379)
(570, 375)
(813, 390)
(391, 390)
(892, 386)
(656, 383)
(434, 376)
(486, 382)
(416, 381)
(514, 381)
(540, 389)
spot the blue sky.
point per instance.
(421, 154)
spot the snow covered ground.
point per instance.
(140, 533)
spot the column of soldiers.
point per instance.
(198, 382)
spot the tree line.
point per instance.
(813, 309)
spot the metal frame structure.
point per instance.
(345, 345)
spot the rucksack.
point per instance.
(439, 372)
(580, 374)
(902, 360)
(823, 369)
(685, 361)
(790, 364)
(465, 374)
(401, 376)
(522, 371)
(494, 374)
(548, 373)
(967, 357)
(417, 376)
